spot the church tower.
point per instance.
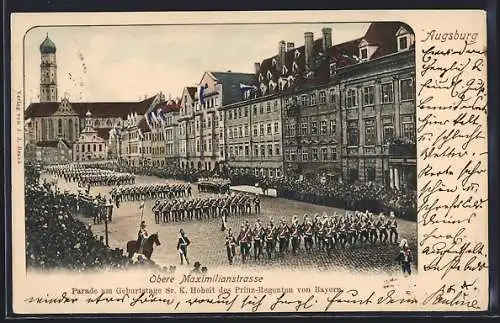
(48, 71)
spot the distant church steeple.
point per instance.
(48, 71)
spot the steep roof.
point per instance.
(170, 106)
(143, 125)
(231, 85)
(383, 35)
(191, 91)
(52, 143)
(98, 109)
(103, 133)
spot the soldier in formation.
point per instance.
(124, 193)
(321, 233)
(202, 208)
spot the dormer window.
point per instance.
(403, 43)
(261, 77)
(405, 39)
(274, 62)
(295, 67)
(363, 53)
(333, 69)
(269, 74)
(284, 70)
(297, 53)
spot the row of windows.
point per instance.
(152, 150)
(306, 100)
(262, 150)
(313, 154)
(311, 128)
(406, 87)
(407, 131)
(89, 147)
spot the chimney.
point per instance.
(309, 47)
(327, 38)
(281, 54)
(257, 68)
(289, 46)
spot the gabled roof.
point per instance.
(98, 109)
(169, 106)
(143, 125)
(52, 143)
(103, 133)
(231, 85)
(383, 35)
(191, 91)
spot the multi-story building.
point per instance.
(335, 112)
(53, 152)
(254, 136)
(378, 109)
(171, 127)
(132, 143)
(91, 145)
(186, 128)
(206, 120)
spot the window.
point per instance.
(230, 116)
(209, 144)
(387, 93)
(293, 155)
(277, 150)
(240, 132)
(276, 128)
(351, 98)
(370, 171)
(313, 99)
(246, 130)
(256, 150)
(95, 147)
(352, 133)
(334, 153)
(370, 132)
(323, 127)
(364, 53)
(408, 130)
(83, 148)
(231, 151)
(368, 95)
(269, 129)
(324, 154)
(406, 89)
(255, 110)
(238, 113)
(303, 129)
(100, 147)
(322, 97)
(268, 107)
(315, 154)
(246, 111)
(261, 108)
(247, 151)
(59, 127)
(402, 43)
(314, 128)
(305, 155)
(287, 155)
(263, 150)
(255, 130)
(230, 133)
(275, 107)
(388, 132)
(333, 127)
(269, 149)
(261, 129)
(304, 100)
(292, 129)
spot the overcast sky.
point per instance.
(125, 63)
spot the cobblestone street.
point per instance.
(207, 239)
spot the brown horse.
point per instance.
(133, 246)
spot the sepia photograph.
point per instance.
(264, 145)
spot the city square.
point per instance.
(207, 239)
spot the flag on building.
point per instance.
(244, 87)
(160, 115)
(201, 93)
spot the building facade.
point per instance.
(187, 150)
(202, 123)
(378, 111)
(52, 152)
(254, 136)
(90, 145)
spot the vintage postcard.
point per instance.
(232, 162)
